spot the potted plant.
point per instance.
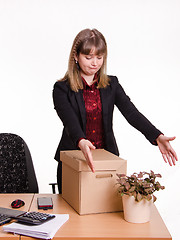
(137, 191)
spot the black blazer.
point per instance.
(70, 108)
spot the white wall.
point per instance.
(143, 51)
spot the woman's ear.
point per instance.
(76, 58)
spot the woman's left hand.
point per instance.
(168, 153)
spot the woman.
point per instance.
(85, 98)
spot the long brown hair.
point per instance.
(83, 43)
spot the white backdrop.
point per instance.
(143, 52)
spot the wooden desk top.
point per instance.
(5, 201)
(103, 226)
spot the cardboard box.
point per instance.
(89, 192)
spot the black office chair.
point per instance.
(17, 173)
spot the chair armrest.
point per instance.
(53, 187)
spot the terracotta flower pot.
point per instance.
(136, 212)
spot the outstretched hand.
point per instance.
(86, 146)
(168, 153)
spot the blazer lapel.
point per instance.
(81, 104)
(104, 100)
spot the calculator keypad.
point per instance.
(34, 217)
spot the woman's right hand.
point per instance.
(86, 146)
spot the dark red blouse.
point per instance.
(94, 123)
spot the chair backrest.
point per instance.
(17, 173)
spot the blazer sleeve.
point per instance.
(65, 111)
(133, 116)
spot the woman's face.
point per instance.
(91, 63)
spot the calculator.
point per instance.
(34, 218)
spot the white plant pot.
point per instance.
(136, 212)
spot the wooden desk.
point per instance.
(106, 226)
(5, 201)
